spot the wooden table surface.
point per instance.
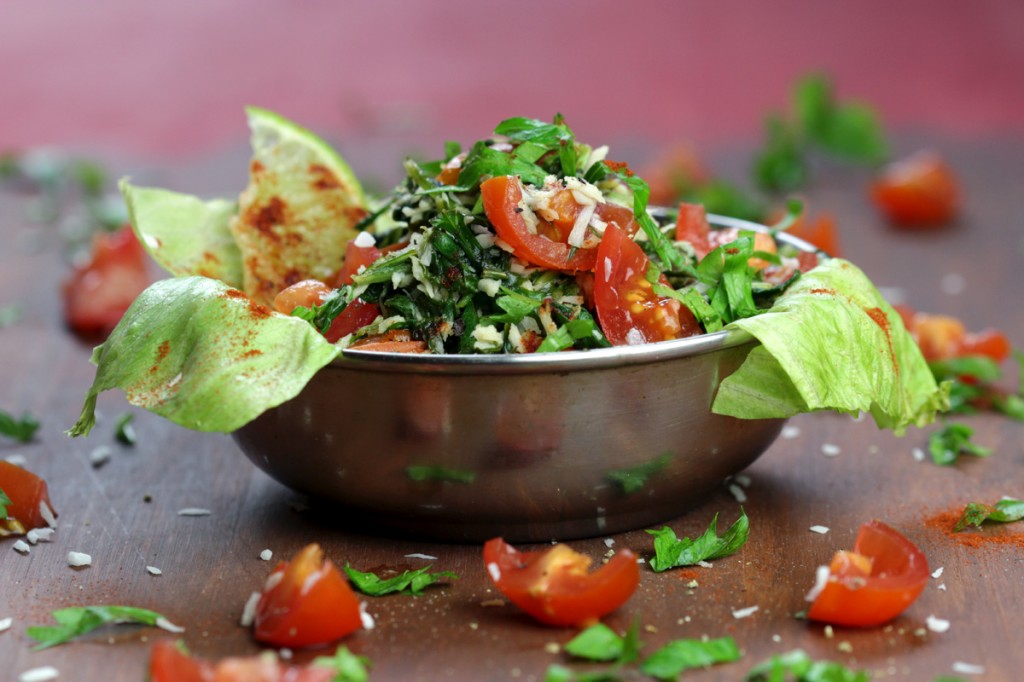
(125, 513)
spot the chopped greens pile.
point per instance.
(206, 348)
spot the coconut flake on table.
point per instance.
(936, 624)
(738, 493)
(938, 571)
(364, 240)
(42, 674)
(918, 454)
(249, 610)
(705, 564)
(79, 559)
(745, 612)
(153, 570)
(968, 668)
(21, 546)
(37, 535)
(365, 617)
(821, 576)
(266, 555)
(789, 431)
(830, 449)
(608, 542)
(418, 555)
(99, 456)
(821, 530)
(5, 624)
(194, 511)
(742, 479)
(47, 514)
(165, 624)
(17, 460)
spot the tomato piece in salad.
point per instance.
(98, 292)
(629, 310)
(874, 583)
(942, 337)
(312, 292)
(27, 493)
(820, 232)
(306, 602)
(168, 663)
(555, 585)
(546, 243)
(917, 192)
(692, 226)
(357, 255)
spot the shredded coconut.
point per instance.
(819, 529)
(41, 674)
(21, 546)
(705, 564)
(153, 570)
(249, 610)
(968, 668)
(608, 542)
(495, 571)
(16, 459)
(266, 555)
(938, 571)
(5, 623)
(918, 454)
(364, 240)
(47, 514)
(78, 559)
(165, 624)
(745, 612)
(417, 555)
(789, 431)
(368, 622)
(830, 450)
(99, 456)
(37, 535)
(738, 493)
(936, 624)
(194, 511)
(821, 575)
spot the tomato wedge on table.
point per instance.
(555, 586)
(98, 293)
(917, 192)
(874, 583)
(168, 663)
(546, 245)
(27, 493)
(629, 310)
(306, 602)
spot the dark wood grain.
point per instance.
(125, 513)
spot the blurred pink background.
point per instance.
(154, 80)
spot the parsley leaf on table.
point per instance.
(79, 620)
(21, 429)
(668, 662)
(410, 582)
(347, 666)
(797, 666)
(671, 551)
(1005, 510)
(947, 444)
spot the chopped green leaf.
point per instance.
(427, 472)
(1005, 510)
(797, 666)
(5, 502)
(411, 582)
(668, 662)
(780, 165)
(346, 666)
(79, 620)
(559, 673)
(124, 432)
(947, 444)
(671, 551)
(21, 429)
(9, 314)
(597, 643)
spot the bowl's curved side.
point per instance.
(531, 457)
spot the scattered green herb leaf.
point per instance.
(947, 444)
(797, 666)
(347, 666)
(668, 662)
(1005, 510)
(79, 620)
(671, 551)
(9, 314)
(597, 643)
(21, 429)
(410, 582)
(124, 432)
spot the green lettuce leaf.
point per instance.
(185, 234)
(202, 355)
(831, 342)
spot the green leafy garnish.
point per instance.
(79, 620)
(671, 551)
(411, 582)
(601, 644)
(1005, 510)
(797, 666)
(5, 502)
(668, 662)
(123, 430)
(347, 666)
(20, 429)
(954, 439)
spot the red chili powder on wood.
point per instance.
(988, 535)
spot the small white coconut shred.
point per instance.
(820, 580)
(745, 612)
(78, 559)
(41, 674)
(5, 624)
(165, 624)
(249, 610)
(266, 555)
(47, 514)
(821, 530)
(194, 511)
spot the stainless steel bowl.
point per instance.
(531, 448)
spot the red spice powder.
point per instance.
(974, 538)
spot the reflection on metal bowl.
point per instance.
(531, 448)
